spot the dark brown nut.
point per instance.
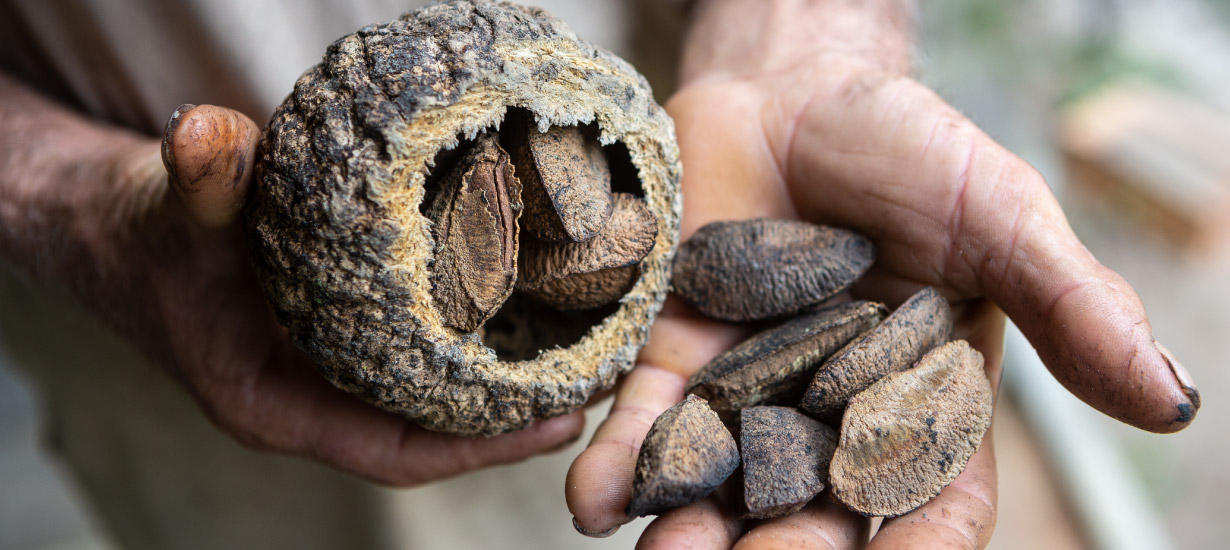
(567, 182)
(910, 434)
(766, 268)
(785, 459)
(775, 366)
(475, 220)
(346, 254)
(918, 326)
(687, 453)
(595, 272)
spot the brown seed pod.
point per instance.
(918, 326)
(475, 219)
(765, 268)
(567, 182)
(342, 245)
(595, 272)
(687, 453)
(775, 366)
(785, 459)
(910, 434)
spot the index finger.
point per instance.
(599, 483)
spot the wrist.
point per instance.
(739, 38)
(70, 191)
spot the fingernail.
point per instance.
(1185, 383)
(597, 535)
(168, 155)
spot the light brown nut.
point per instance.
(775, 366)
(919, 325)
(687, 453)
(342, 246)
(786, 458)
(910, 434)
(599, 271)
(567, 181)
(475, 223)
(766, 268)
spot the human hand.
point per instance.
(162, 258)
(837, 134)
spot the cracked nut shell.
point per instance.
(346, 256)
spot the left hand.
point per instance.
(845, 139)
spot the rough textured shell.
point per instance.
(910, 434)
(786, 458)
(774, 367)
(344, 253)
(921, 324)
(749, 270)
(687, 453)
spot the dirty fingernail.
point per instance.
(1186, 412)
(593, 534)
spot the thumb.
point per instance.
(949, 207)
(1090, 327)
(208, 152)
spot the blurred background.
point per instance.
(1123, 106)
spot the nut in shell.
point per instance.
(910, 434)
(786, 458)
(475, 219)
(775, 366)
(687, 453)
(595, 272)
(919, 325)
(567, 180)
(765, 268)
(352, 251)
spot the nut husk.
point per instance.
(346, 256)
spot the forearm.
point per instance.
(728, 38)
(63, 187)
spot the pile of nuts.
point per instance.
(879, 406)
(582, 245)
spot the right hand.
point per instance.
(168, 266)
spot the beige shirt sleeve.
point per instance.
(132, 62)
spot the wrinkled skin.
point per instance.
(820, 126)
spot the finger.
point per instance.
(726, 179)
(821, 525)
(947, 205)
(285, 406)
(962, 516)
(209, 153)
(698, 526)
(599, 483)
